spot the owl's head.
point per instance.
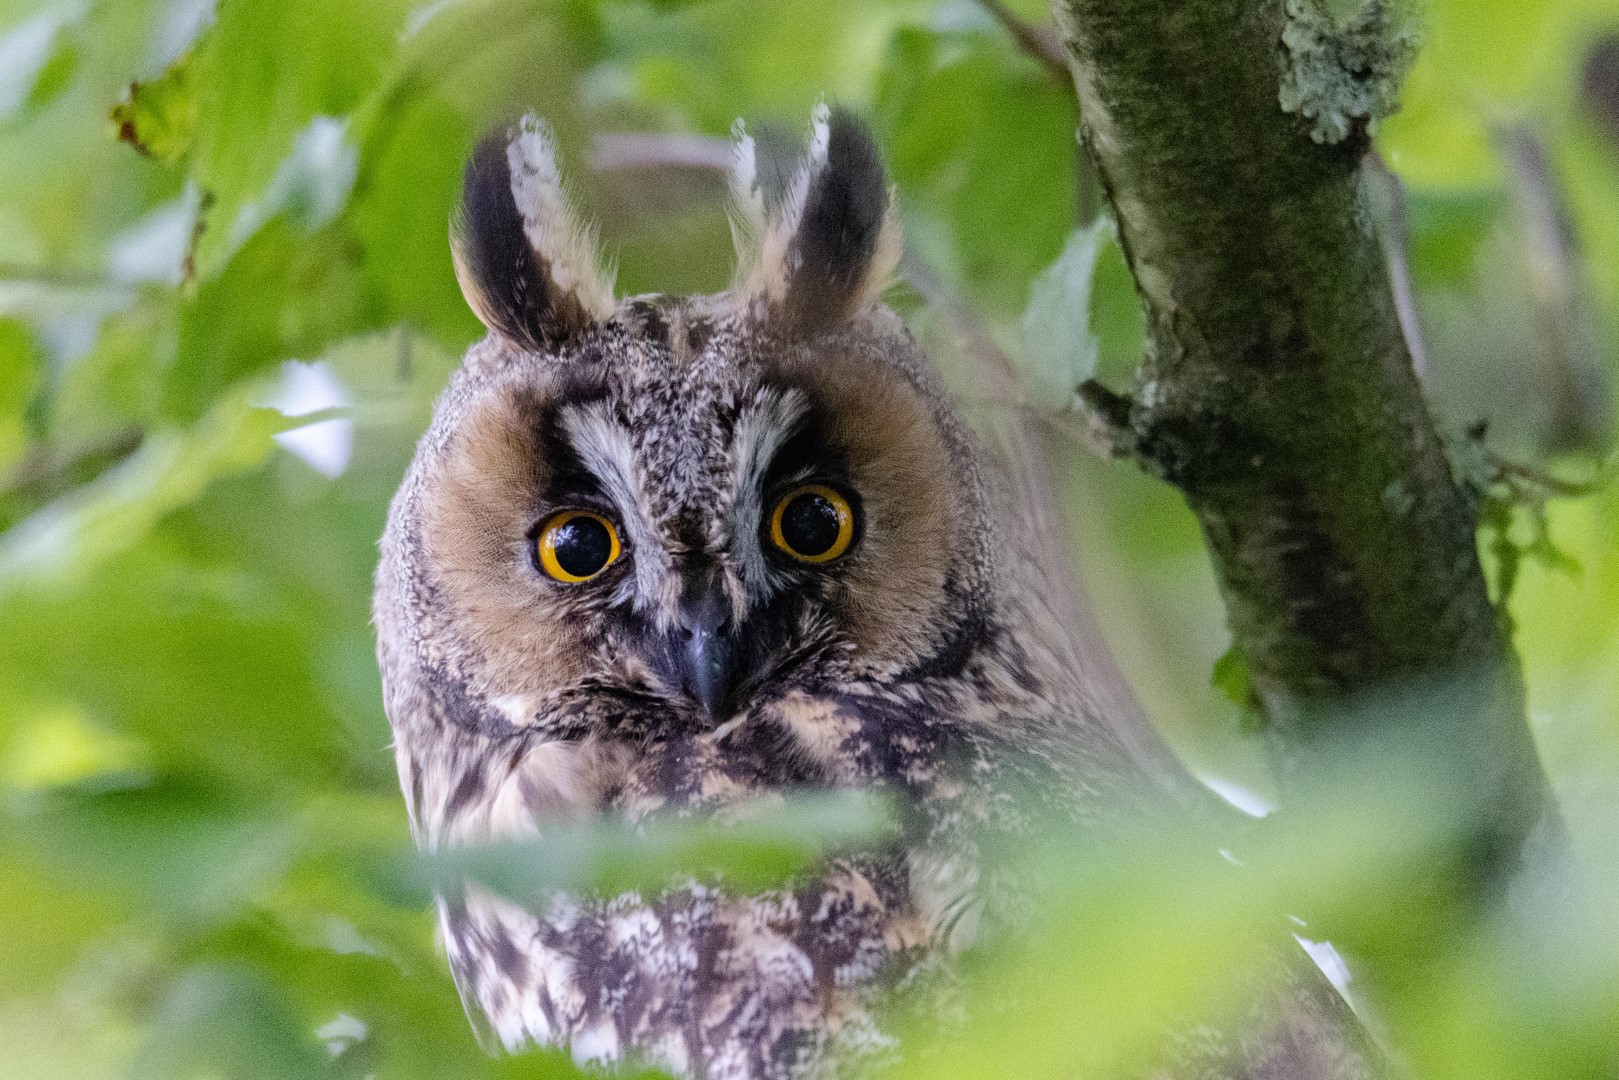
(650, 514)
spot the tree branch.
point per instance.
(1572, 368)
(1278, 392)
(1037, 41)
(619, 151)
(1396, 248)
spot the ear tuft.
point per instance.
(833, 243)
(526, 266)
(747, 212)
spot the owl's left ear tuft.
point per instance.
(831, 246)
(527, 267)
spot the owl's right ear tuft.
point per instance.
(527, 267)
(827, 244)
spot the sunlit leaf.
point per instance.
(19, 375)
(36, 57)
(1059, 348)
(61, 746)
(73, 535)
(159, 117)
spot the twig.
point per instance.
(1570, 363)
(615, 152)
(1396, 246)
(1037, 41)
(1600, 85)
(59, 277)
(45, 464)
(1519, 476)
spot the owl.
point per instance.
(676, 554)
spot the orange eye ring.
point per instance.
(816, 531)
(576, 545)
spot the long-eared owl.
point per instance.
(673, 553)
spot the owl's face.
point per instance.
(677, 553)
(646, 517)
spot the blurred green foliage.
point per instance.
(226, 305)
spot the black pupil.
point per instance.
(809, 524)
(582, 546)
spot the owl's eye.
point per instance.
(576, 545)
(812, 523)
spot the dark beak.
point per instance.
(708, 654)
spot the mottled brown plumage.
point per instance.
(704, 668)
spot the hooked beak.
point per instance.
(708, 655)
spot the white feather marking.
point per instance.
(516, 708)
(608, 453)
(597, 1044)
(747, 209)
(549, 222)
(820, 132)
(1331, 963)
(762, 427)
(778, 257)
(885, 255)
(770, 257)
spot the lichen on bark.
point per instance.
(1340, 67)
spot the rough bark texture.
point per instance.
(1278, 393)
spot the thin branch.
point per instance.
(45, 466)
(1396, 249)
(58, 277)
(618, 152)
(1571, 365)
(1521, 476)
(1599, 85)
(1037, 41)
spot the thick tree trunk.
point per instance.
(1277, 392)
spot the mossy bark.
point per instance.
(1278, 394)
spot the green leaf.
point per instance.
(19, 373)
(1059, 349)
(61, 747)
(225, 1020)
(981, 141)
(159, 117)
(286, 294)
(176, 848)
(69, 538)
(1233, 679)
(57, 73)
(36, 57)
(750, 848)
(261, 75)
(1448, 231)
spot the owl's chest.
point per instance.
(754, 986)
(799, 741)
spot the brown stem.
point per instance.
(614, 152)
(44, 467)
(1039, 42)
(1396, 249)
